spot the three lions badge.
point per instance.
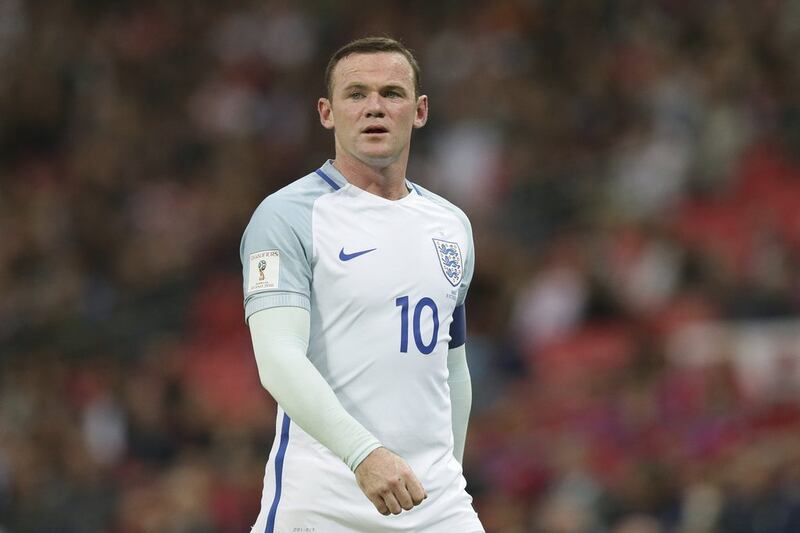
(450, 260)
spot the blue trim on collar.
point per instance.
(333, 184)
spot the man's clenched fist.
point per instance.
(389, 483)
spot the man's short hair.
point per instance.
(371, 45)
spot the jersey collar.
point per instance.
(336, 179)
(331, 175)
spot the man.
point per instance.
(354, 282)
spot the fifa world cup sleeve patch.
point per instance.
(264, 270)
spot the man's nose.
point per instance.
(374, 106)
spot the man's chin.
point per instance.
(376, 160)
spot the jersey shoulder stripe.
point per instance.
(280, 229)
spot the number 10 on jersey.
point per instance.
(403, 304)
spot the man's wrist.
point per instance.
(358, 457)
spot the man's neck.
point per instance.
(388, 182)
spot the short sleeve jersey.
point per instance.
(381, 280)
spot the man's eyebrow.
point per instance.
(361, 86)
(354, 85)
(392, 87)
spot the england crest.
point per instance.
(450, 260)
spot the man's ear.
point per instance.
(422, 112)
(325, 113)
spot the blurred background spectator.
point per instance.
(632, 171)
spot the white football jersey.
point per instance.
(381, 280)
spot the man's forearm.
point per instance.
(280, 340)
(460, 397)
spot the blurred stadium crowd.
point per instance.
(631, 169)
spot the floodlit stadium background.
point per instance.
(632, 172)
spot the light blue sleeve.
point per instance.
(469, 261)
(276, 250)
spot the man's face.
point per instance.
(373, 108)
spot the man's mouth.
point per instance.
(374, 130)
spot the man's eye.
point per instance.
(393, 94)
(356, 96)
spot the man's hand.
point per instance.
(389, 483)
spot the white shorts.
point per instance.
(309, 490)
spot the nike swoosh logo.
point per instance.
(347, 257)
